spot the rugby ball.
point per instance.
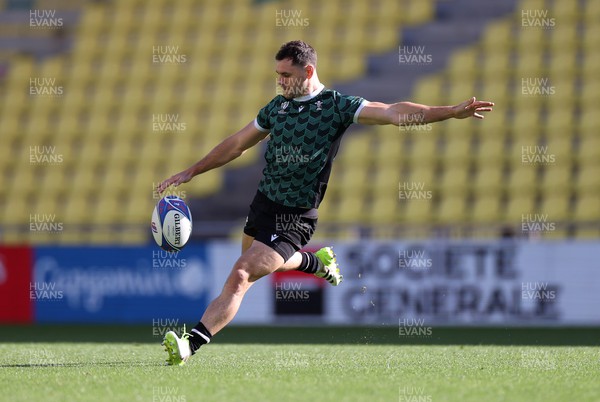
(171, 223)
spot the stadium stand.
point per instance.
(130, 72)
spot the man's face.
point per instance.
(292, 79)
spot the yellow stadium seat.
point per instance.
(424, 173)
(587, 233)
(351, 210)
(497, 38)
(459, 91)
(495, 91)
(416, 11)
(463, 63)
(386, 181)
(416, 211)
(588, 179)
(556, 179)
(563, 36)
(526, 124)
(589, 150)
(517, 207)
(563, 64)
(452, 210)
(523, 178)
(457, 150)
(454, 180)
(384, 210)
(566, 11)
(559, 122)
(591, 66)
(486, 209)
(390, 150)
(528, 39)
(561, 148)
(428, 90)
(588, 96)
(530, 64)
(356, 150)
(423, 150)
(587, 208)
(354, 178)
(557, 207)
(78, 210)
(491, 151)
(489, 179)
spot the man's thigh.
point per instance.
(259, 260)
(246, 242)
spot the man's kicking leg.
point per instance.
(322, 264)
(257, 261)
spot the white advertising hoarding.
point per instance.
(444, 283)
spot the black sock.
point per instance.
(199, 336)
(309, 264)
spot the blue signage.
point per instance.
(119, 284)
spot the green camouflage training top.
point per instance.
(305, 137)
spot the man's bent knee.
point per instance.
(238, 280)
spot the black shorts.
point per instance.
(284, 229)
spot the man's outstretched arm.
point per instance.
(229, 149)
(413, 113)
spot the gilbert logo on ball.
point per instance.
(171, 223)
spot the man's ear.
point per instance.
(310, 70)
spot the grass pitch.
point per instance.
(328, 371)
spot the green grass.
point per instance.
(327, 371)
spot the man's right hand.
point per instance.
(175, 180)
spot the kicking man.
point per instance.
(304, 127)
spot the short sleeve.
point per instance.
(261, 122)
(350, 107)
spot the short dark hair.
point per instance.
(300, 52)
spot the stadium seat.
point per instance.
(587, 209)
(556, 179)
(517, 206)
(452, 209)
(486, 209)
(522, 179)
(454, 180)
